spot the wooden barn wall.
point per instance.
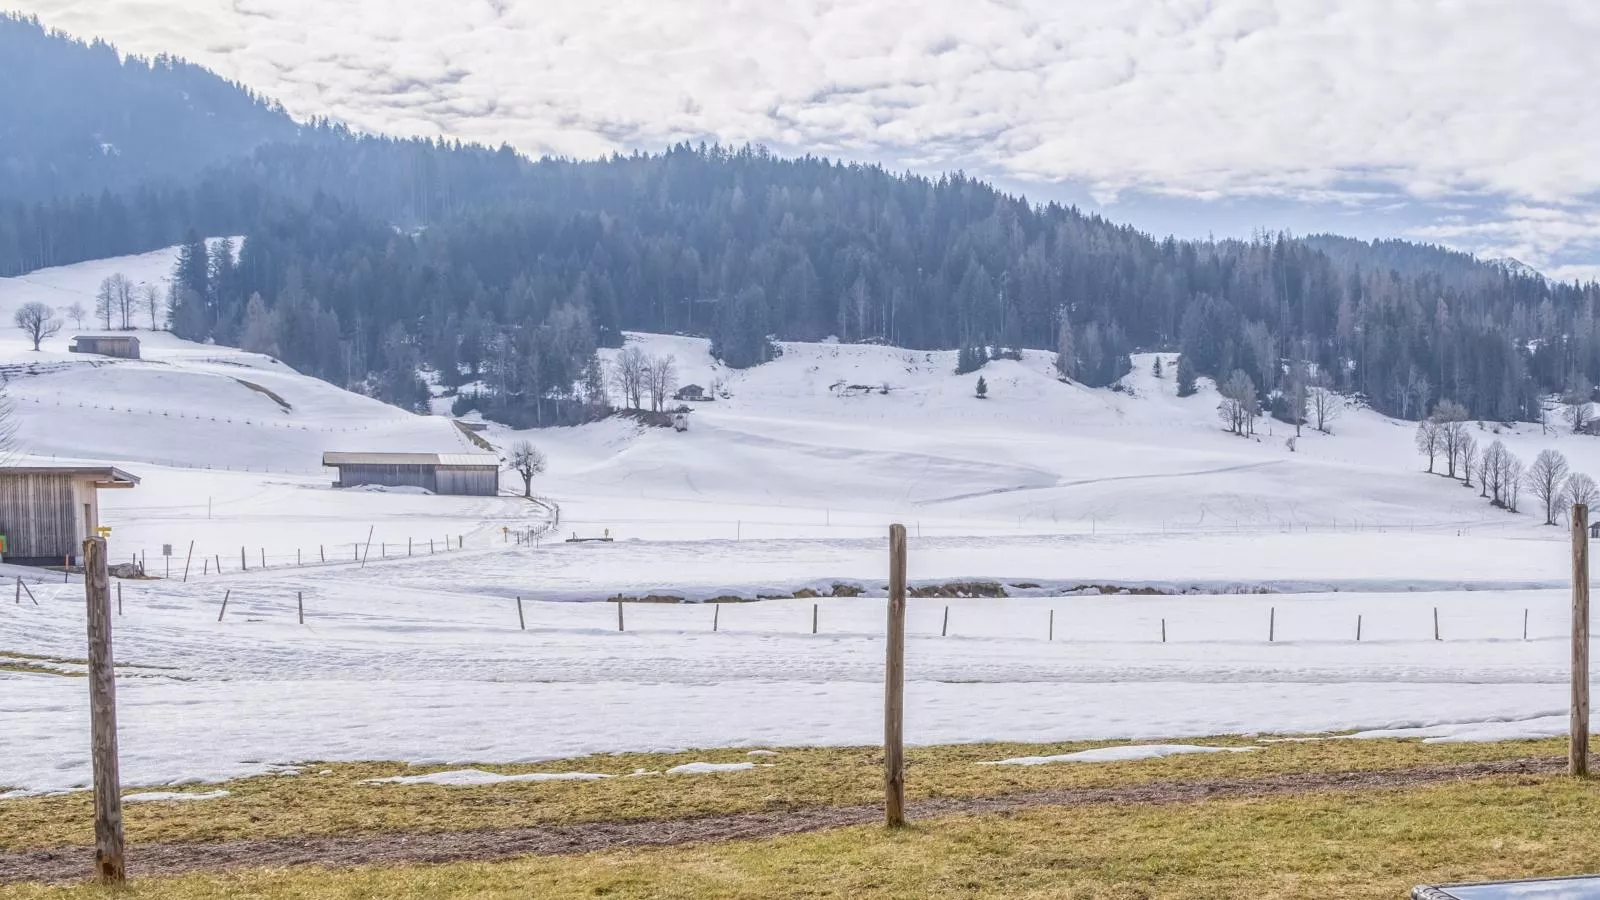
(40, 516)
(480, 481)
(388, 476)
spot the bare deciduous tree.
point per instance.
(1240, 405)
(1579, 488)
(527, 461)
(1326, 404)
(155, 303)
(115, 300)
(628, 375)
(1451, 418)
(1429, 441)
(662, 377)
(1469, 458)
(76, 313)
(1544, 479)
(37, 321)
(1575, 404)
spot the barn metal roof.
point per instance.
(449, 460)
(105, 476)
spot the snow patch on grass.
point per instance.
(1118, 754)
(474, 777)
(173, 797)
(705, 768)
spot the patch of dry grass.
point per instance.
(338, 803)
(1359, 846)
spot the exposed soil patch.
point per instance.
(72, 863)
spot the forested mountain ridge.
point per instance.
(77, 117)
(368, 257)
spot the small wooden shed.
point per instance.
(46, 512)
(461, 474)
(123, 346)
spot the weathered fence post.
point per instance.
(322, 553)
(1050, 632)
(894, 684)
(224, 608)
(1524, 623)
(1358, 627)
(300, 605)
(716, 615)
(186, 561)
(370, 530)
(263, 557)
(1163, 630)
(1436, 623)
(119, 598)
(813, 618)
(1272, 625)
(944, 630)
(242, 566)
(522, 624)
(1578, 752)
(619, 614)
(108, 839)
(218, 557)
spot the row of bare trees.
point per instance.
(119, 300)
(1445, 436)
(636, 375)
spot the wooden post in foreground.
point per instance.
(300, 605)
(186, 561)
(894, 685)
(1578, 754)
(522, 624)
(108, 840)
(619, 614)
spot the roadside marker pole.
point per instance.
(521, 623)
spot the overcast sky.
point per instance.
(1474, 123)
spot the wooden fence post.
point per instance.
(1050, 632)
(300, 605)
(619, 614)
(1436, 623)
(322, 553)
(1578, 752)
(186, 561)
(119, 598)
(242, 566)
(813, 618)
(1358, 627)
(716, 616)
(1272, 625)
(224, 608)
(894, 684)
(218, 557)
(1163, 629)
(109, 862)
(944, 630)
(1524, 623)
(263, 557)
(522, 624)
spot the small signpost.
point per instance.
(166, 554)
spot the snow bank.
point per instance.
(705, 768)
(1532, 729)
(1118, 754)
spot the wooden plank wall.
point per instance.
(479, 481)
(40, 515)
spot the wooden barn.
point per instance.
(123, 346)
(46, 512)
(469, 474)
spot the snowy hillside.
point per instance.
(228, 443)
(782, 487)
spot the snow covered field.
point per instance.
(788, 482)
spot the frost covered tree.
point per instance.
(37, 321)
(983, 388)
(1428, 441)
(1545, 479)
(1066, 350)
(76, 313)
(1185, 379)
(527, 461)
(1156, 369)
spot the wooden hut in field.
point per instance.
(46, 512)
(462, 474)
(123, 346)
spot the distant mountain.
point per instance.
(1515, 267)
(78, 118)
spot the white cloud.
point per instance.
(1190, 98)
